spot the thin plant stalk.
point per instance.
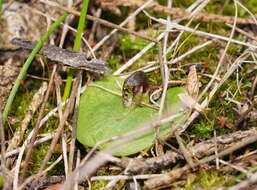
(26, 65)
(1, 5)
(76, 47)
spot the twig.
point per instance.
(216, 151)
(64, 153)
(168, 179)
(125, 177)
(97, 13)
(45, 181)
(181, 13)
(233, 166)
(243, 32)
(59, 101)
(109, 24)
(69, 58)
(185, 152)
(77, 165)
(19, 159)
(74, 129)
(254, 86)
(205, 148)
(66, 23)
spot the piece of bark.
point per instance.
(70, 58)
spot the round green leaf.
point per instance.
(102, 116)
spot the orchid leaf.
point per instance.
(102, 116)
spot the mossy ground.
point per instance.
(201, 128)
(19, 110)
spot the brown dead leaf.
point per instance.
(192, 84)
(222, 121)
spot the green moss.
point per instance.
(206, 180)
(37, 157)
(235, 49)
(105, 171)
(21, 104)
(50, 126)
(207, 54)
(252, 5)
(98, 184)
(130, 44)
(188, 41)
(202, 129)
(114, 61)
(58, 170)
(209, 179)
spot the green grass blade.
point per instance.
(27, 64)
(1, 5)
(82, 20)
(76, 47)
